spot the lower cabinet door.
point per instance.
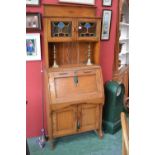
(64, 121)
(89, 117)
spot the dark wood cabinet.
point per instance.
(121, 54)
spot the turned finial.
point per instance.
(55, 65)
(89, 56)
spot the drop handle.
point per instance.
(63, 73)
(78, 124)
(88, 71)
(76, 80)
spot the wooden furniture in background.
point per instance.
(73, 85)
(125, 134)
(121, 53)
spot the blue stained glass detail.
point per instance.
(87, 29)
(61, 25)
(87, 25)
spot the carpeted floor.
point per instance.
(86, 143)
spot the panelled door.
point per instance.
(89, 116)
(64, 121)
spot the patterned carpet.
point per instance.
(86, 143)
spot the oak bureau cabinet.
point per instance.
(73, 78)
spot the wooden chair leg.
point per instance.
(125, 135)
(124, 152)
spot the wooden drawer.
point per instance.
(77, 84)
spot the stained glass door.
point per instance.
(61, 29)
(87, 29)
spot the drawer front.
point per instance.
(76, 85)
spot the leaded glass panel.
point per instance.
(61, 29)
(87, 29)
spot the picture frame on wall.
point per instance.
(88, 2)
(106, 24)
(33, 22)
(33, 47)
(107, 2)
(32, 2)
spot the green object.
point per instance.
(114, 96)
